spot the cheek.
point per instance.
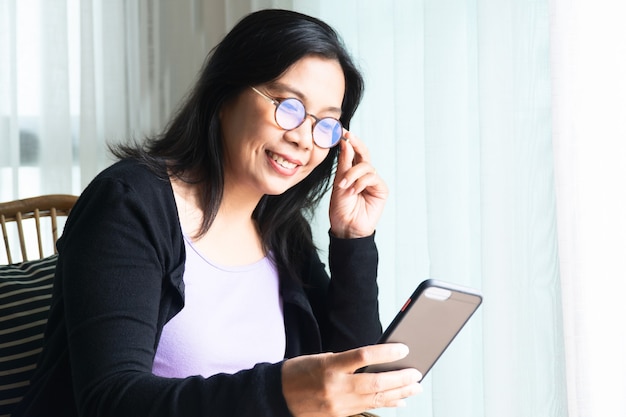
(238, 118)
(319, 154)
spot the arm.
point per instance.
(326, 384)
(117, 258)
(346, 306)
(356, 205)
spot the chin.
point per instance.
(279, 190)
(276, 192)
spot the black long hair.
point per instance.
(259, 49)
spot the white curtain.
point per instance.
(471, 108)
(77, 75)
(589, 96)
(457, 115)
(62, 97)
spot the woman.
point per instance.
(188, 283)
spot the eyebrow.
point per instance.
(284, 88)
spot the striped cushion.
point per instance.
(25, 293)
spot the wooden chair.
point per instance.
(52, 206)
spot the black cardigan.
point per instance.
(119, 280)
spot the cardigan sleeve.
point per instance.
(346, 306)
(115, 259)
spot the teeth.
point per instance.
(282, 162)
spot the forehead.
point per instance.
(318, 82)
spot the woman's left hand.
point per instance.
(358, 195)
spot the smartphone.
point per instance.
(427, 323)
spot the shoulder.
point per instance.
(126, 202)
(129, 179)
(134, 174)
(127, 192)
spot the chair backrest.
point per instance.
(33, 209)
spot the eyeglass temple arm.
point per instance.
(268, 98)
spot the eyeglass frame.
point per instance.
(316, 119)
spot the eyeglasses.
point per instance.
(290, 114)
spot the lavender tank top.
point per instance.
(232, 320)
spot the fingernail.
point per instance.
(401, 403)
(402, 349)
(343, 183)
(419, 375)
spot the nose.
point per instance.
(302, 136)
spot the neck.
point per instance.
(233, 238)
(238, 204)
(236, 207)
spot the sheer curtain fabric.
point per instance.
(457, 116)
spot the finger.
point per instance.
(368, 383)
(361, 151)
(353, 161)
(346, 156)
(359, 179)
(363, 173)
(351, 360)
(394, 397)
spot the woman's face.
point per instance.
(262, 157)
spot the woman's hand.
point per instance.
(326, 385)
(359, 194)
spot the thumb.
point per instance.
(351, 360)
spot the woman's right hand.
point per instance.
(326, 385)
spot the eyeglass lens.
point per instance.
(290, 113)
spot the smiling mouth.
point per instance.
(282, 161)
